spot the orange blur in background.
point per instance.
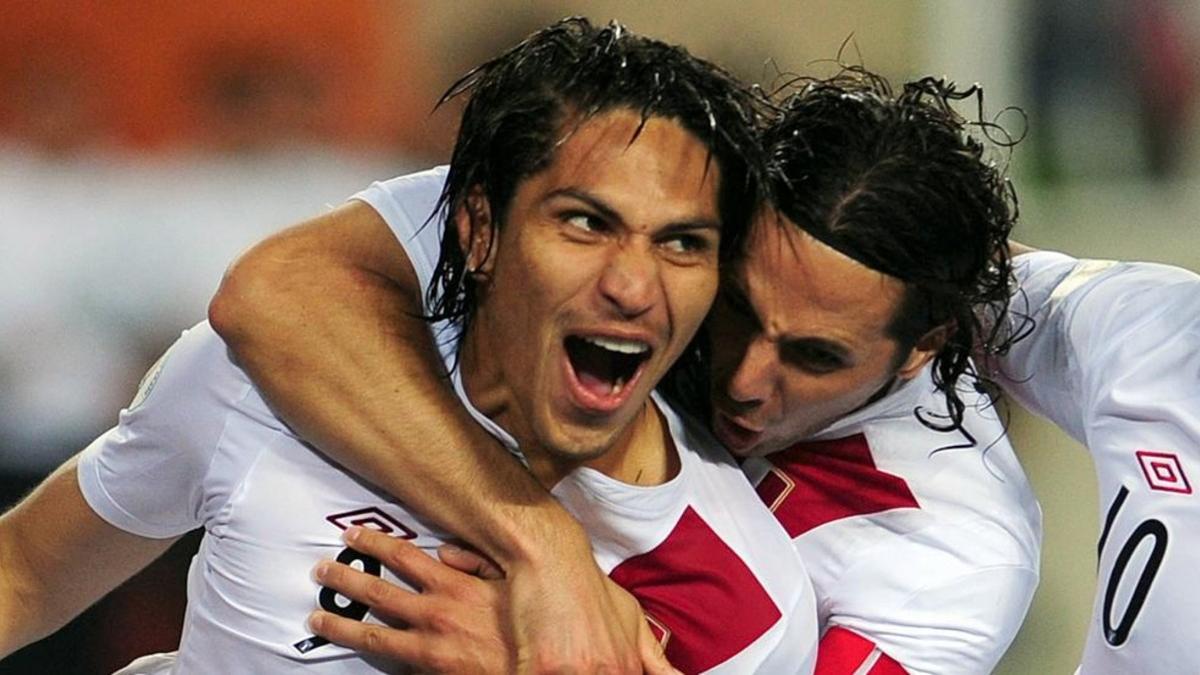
(220, 74)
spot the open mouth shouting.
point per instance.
(604, 370)
(734, 432)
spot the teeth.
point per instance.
(617, 387)
(621, 346)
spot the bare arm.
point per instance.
(1016, 248)
(336, 299)
(57, 557)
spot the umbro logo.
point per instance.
(1164, 472)
(371, 517)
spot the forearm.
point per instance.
(17, 627)
(57, 558)
(368, 395)
(28, 611)
(342, 355)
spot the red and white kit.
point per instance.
(1114, 360)
(199, 447)
(922, 545)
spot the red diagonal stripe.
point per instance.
(843, 652)
(830, 480)
(700, 591)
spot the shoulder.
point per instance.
(409, 205)
(193, 381)
(148, 475)
(1087, 302)
(407, 202)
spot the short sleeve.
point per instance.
(961, 620)
(1099, 327)
(147, 474)
(409, 206)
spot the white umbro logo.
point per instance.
(1164, 472)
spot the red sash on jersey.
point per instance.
(817, 482)
(844, 652)
(704, 603)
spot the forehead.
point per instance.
(661, 170)
(802, 287)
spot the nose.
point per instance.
(630, 281)
(750, 384)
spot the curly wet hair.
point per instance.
(522, 103)
(904, 184)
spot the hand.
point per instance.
(567, 616)
(452, 626)
(648, 647)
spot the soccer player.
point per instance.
(838, 347)
(1114, 360)
(555, 330)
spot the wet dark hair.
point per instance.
(899, 184)
(521, 101)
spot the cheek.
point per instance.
(690, 297)
(542, 283)
(814, 396)
(829, 397)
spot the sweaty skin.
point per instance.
(363, 333)
(366, 355)
(800, 340)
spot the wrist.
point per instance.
(551, 539)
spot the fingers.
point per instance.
(414, 566)
(387, 601)
(403, 558)
(367, 638)
(469, 562)
(654, 660)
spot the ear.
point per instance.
(924, 351)
(476, 229)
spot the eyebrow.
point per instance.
(609, 213)
(832, 347)
(734, 287)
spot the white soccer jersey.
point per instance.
(200, 448)
(922, 545)
(1114, 359)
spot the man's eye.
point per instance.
(814, 359)
(584, 221)
(686, 243)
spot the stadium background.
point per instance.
(142, 145)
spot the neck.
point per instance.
(644, 455)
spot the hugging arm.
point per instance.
(326, 319)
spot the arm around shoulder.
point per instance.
(337, 299)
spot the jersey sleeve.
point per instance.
(409, 206)
(147, 474)
(961, 623)
(1108, 340)
(844, 652)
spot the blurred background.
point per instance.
(142, 145)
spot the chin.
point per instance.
(760, 450)
(579, 444)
